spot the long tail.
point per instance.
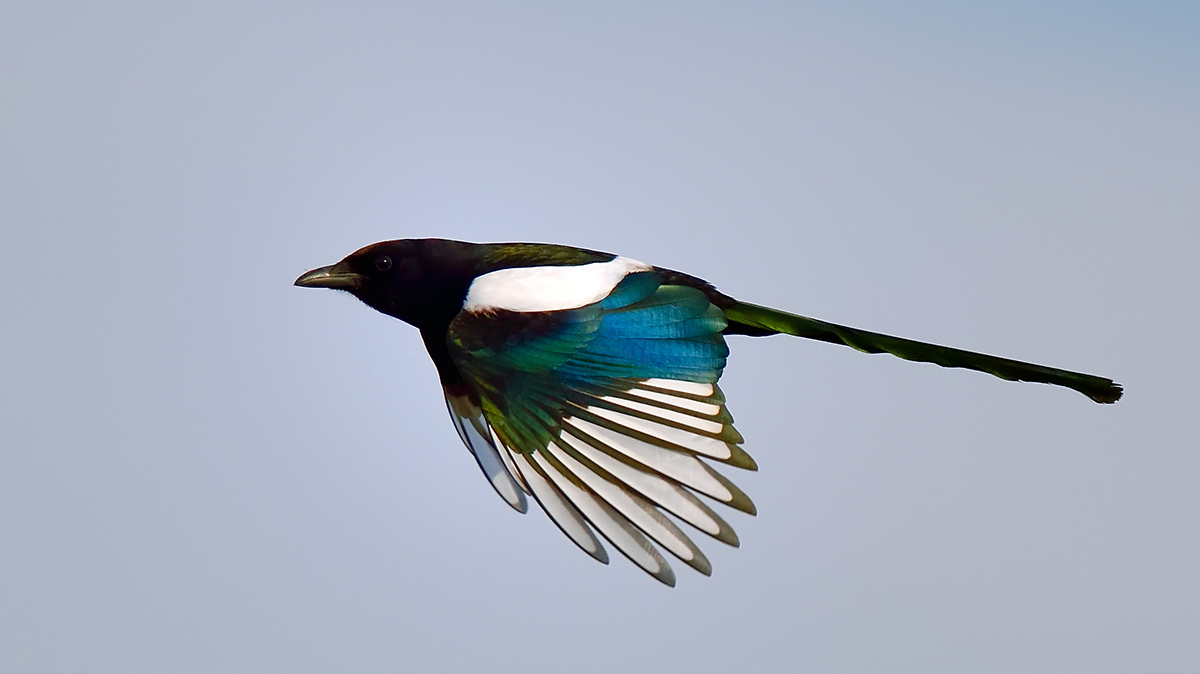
(752, 319)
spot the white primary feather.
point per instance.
(700, 444)
(565, 515)
(478, 437)
(707, 409)
(608, 522)
(688, 387)
(618, 473)
(700, 424)
(634, 508)
(667, 494)
(684, 468)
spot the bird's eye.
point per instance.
(383, 263)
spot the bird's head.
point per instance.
(420, 281)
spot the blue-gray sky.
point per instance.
(205, 469)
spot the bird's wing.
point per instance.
(477, 436)
(604, 412)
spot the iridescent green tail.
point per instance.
(754, 319)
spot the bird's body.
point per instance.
(589, 380)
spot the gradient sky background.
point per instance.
(204, 469)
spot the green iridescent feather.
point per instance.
(531, 368)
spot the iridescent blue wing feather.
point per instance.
(605, 412)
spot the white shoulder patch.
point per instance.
(548, 288)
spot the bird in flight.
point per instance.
(589, 380)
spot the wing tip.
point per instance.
(665, 575)
(728, 536)
(700, 563)
(520, 504)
